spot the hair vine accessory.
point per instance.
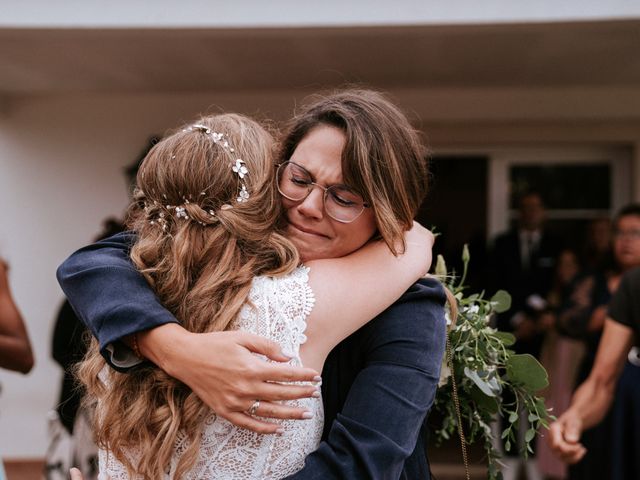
(181, 213)
(238, 167)
(159, 213)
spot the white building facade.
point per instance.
(83, 84)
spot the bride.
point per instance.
(206, 214)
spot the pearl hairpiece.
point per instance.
(239, 167)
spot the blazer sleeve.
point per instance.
(111, 297)
(386, 406)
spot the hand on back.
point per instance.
(223, 370)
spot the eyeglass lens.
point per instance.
(340, 202)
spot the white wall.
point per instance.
(61, 161)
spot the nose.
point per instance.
(313, 205)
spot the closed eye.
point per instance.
(341, 200)
(305, 182)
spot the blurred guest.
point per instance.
(69, 346)
(597, 253)
(593, 398)
(70, 436)
(523, 261)
(560, 356)
(584, 318)
(15, 347)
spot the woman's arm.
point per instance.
(351, 290)
(15, 348)
(113, 299)
(593, 398)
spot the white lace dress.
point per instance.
(277, 309)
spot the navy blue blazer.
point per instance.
(378, 384)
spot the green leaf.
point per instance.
(506, 338)
(501, 301)
(489, 384)
(513, 418)
(483, 402)
(533, 417)
(541, 408)
(527, 371)
(495, 384)
(531, 433)
(507, 445)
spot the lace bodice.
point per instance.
(277, 309)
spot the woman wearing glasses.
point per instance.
(351, 168)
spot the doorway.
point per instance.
(473, 196)
(456, 208)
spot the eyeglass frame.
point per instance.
(313, 184)
(632, 234)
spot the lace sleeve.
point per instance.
(283, 304)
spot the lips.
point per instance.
(306, 230)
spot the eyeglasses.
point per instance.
(631, 234)
(341, 203)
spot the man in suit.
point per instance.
(523, 263)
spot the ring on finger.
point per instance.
(254, 408)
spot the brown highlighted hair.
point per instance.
(384, 157)
(201, 267)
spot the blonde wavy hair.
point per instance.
(201, 269)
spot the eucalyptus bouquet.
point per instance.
(479, 368)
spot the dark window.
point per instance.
(565, 187)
